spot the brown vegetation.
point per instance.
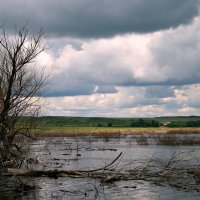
(111, 132)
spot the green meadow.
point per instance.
(112, 122)
(61, 126)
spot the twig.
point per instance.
(103, 168)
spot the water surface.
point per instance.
(92, 152)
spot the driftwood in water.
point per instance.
(181, 170)
(56, 172)
(51, 173)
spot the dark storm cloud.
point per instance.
(99, 18)
(159, 92)
(72, 87)
(103, 89)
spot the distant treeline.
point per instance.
(154, 123)
(195, 123)
(145, 123)
(121, 122)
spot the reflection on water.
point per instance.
(66, 188)
(92, 152)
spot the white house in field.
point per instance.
(165, 123)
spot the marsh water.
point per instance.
(90, 152)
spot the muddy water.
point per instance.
(93, 152)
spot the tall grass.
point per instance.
(108, 131)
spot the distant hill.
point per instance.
(176, 121)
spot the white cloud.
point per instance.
(188, 96)
(152, 74)
(126, 102)
(162, 58)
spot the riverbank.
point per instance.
(56, 131)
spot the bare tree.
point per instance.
(20, 84)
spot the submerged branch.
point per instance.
(56, 172)
(103, 168)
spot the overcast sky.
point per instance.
(114, 58)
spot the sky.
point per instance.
(114, 58)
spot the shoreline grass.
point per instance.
(55, 131)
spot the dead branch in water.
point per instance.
(181, 170)
(103, 168)
(56, 172)
(38, 173)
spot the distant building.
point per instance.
(165, 123)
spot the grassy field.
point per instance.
(65, 126)
(106, 131)
(105, 122)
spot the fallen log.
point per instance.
(38, 173)
(55, 172)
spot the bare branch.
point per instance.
(20, 81)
